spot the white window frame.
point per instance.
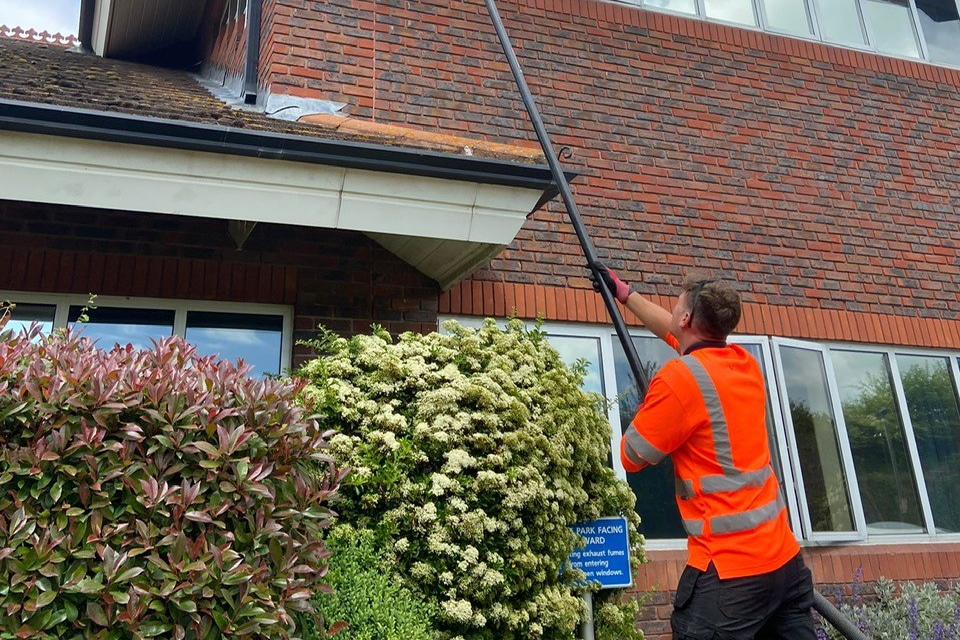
(859, 524)
(180, 307)
(813, 15)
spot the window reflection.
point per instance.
(840, 21)
(576, 348)
(788, 16)
(739, 11)
(940, 24)
(877, 442)
(108, 326)
(683, 6)
(23, 316)
(891, 26)
(815, 430)
(253, 337)
(932, 404)
(654, 486)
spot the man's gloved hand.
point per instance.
(619, 288)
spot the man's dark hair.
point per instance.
(714, 305)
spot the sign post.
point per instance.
(605, 558)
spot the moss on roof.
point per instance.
(49, 74)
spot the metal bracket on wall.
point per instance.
(240, 230)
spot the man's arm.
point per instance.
(653, 316)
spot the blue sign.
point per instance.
(606, 556)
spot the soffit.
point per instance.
(132, 27)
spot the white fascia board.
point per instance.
(122, 176)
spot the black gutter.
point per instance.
(251, 72)
(43, 119)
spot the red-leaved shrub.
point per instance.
(154, 493)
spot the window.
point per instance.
(878, 442)
(840, 21)
(739, 11)
(940, 24)
(25, 314)
(929, 388)
(891, 27)
(821, 460)
(259, 334)
(926, 29)
(788, 16)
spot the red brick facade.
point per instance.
(339, 279)
(823, 179)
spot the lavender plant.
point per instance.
(472, 454)
(907, 612)
(154, 493)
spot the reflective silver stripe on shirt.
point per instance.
(719, 484)
(684, 488)
(639, 450)
(718, 422)
(693, 527)
(748, 519)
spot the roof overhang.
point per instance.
(445, 215)
(121, 28)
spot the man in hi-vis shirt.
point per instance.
(744, 578)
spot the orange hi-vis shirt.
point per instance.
(707, 410)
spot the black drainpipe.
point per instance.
(250, 73)
(88, 8)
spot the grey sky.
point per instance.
(56, 16)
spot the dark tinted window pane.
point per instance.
(932, 403)
(24, 315)
(118, 325)
(654, 486)
(878, 443)
(940, 24)
(815, 430)
(254, 338)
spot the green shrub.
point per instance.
(916, 612)
(154, 493)
(471, 456)
(367, 596)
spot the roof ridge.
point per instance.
(31, 34)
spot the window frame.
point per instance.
(762, 24)
(180, 307)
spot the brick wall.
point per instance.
(223, 42)
(822, 178)
(342, 280)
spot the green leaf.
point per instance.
(152, 628)
(46, 598)
(96, 614)
(185, 605)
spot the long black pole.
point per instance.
(567, 195)
(823, 606)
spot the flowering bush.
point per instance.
(154, 493)
(472, 454)
(918, 612)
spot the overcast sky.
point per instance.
(56, 16)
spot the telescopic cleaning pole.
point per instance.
(823, 606)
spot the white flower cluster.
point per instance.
(475, 450)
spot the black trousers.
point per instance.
(770, 606)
